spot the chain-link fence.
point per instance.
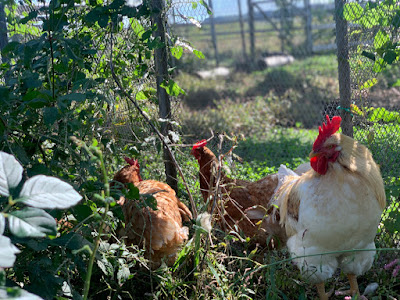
(310, 39)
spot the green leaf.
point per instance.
(132, 192)
(38, 103)
(199, 54)
(2, 223)
(32, 15)
(396, 83)
(10, 173)
(7, 253)
(368, 55)
(369, 83)
(146, 35)
(172, 88)
(123, 273)
(78, 97)
(71, 240)
(352, 11)
(202, 2)
(149, 201)
(31, 222)
(177, 52)
(50, 115)
(81, 212)
(379, 65)
(141, 95)
(48, 192)
(381, 38)
(138, 29)
(390, 56)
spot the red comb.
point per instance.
(327, 130)
(199, 144)
(131, 161)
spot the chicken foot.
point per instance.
(321, 291)
(354, 290)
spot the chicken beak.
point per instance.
(314, 154)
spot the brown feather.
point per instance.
(239, 197)
(160, 231)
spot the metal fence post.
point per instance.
(213, 35)
(343, 68)
(242, 31)
(251, 30)
(161, 65)
(308, 27)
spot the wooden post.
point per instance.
(164, 103)
(343, 68)
(251, 29)
(213, 35)
(3, 28)
(308, 27)
(242, 32)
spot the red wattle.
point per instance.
(319, 164)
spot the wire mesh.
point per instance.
(301, 37)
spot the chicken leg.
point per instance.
(353, 285)
(321, 291)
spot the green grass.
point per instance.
(250, 108)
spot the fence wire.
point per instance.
(301, 35)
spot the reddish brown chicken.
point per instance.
(243, 204)
(161, 230)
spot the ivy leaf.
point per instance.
(48, 192)
(10, 173)
(172, 88)
(31, 222)
(7, 253)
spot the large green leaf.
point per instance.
(48, 192)
(10, 173)
(31, 222)
(7, 253)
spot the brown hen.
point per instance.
(243, 203)
(160, 230)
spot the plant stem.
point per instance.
(103, 219)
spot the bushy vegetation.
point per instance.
(63, 115)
